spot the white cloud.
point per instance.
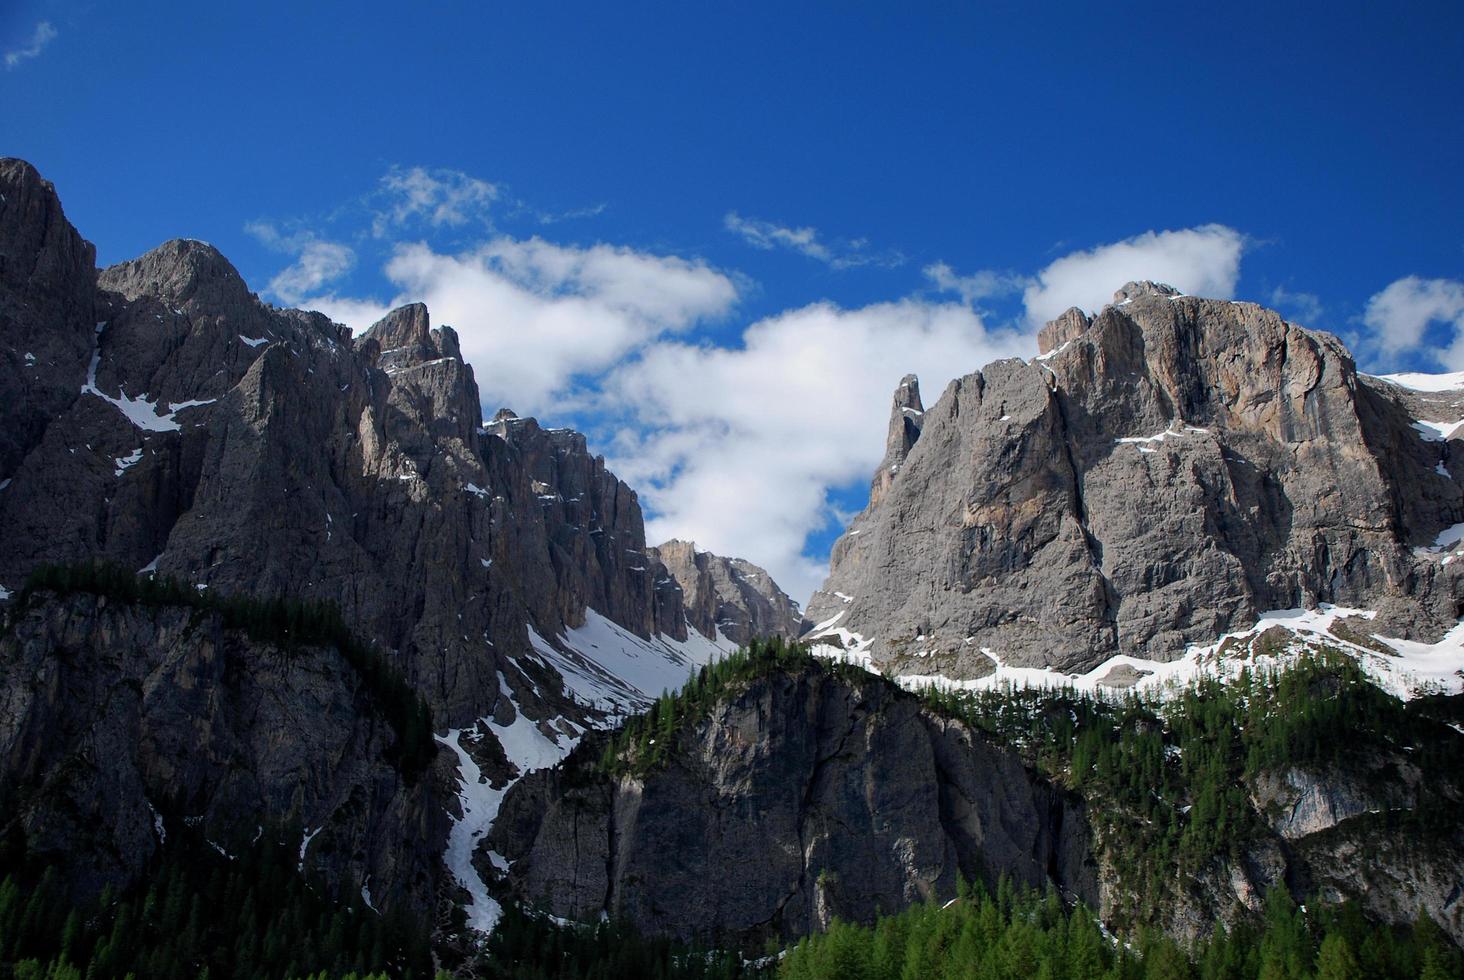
(43, 35)
(440, 198)
(1203, 261)
(1400, 314)
(840, 255)
(1306, 307)
(317, 262)
(533, 315)
(984, 284)
(738, 448)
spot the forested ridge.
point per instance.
(1021, 935)
(200, 912)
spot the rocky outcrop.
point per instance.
(171, 421)
(728, 596)
(802, 797)
(906, 416)
(1157, 476)
(47, 302)
(593, 550)
(119, 721)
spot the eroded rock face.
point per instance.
(1159, 475)
(172, 421)
(118, 721)
(729, 596)
(805, 797)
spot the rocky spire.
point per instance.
(907, 415)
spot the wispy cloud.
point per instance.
(317, 262)
(575, 214)
(438, 198)
(43, 35)
(1306, 307)
(840, 254)
(981, 285)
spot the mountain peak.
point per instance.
(178, 272)
(1166, 472)
(1144, 287)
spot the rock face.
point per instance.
(729, 596)
(1160, 474)
(160, 416)
(118, 721)
(804, 797)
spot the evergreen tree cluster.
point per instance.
(643, 744)
(1028, 935)
(530, 946)
(199, 913)
(1167, 780)
(290, 624)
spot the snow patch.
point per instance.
(123, 462)
(1176, 431)
(528, 748)
(1411, 668)
(613, 670)
(1425, 382)
(140, 411)
(366, 894)
(254, 341)
(1436, 431)
(305, 843)
(158, 827)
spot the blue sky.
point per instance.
(714, 236)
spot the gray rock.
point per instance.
(118, 718)
(1157, 477)
(802, 798)
(204, 434)
(729, 596)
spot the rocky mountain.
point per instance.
(159, 416)
(1162, 474)
(801, 791)
(121, 720)
(729, 596)
(803, 796)
(287, 585)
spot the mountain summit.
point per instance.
(1161, 474)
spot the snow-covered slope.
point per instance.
(1426, 382)
(1404, 668)
(614, 671)
(605, 667)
